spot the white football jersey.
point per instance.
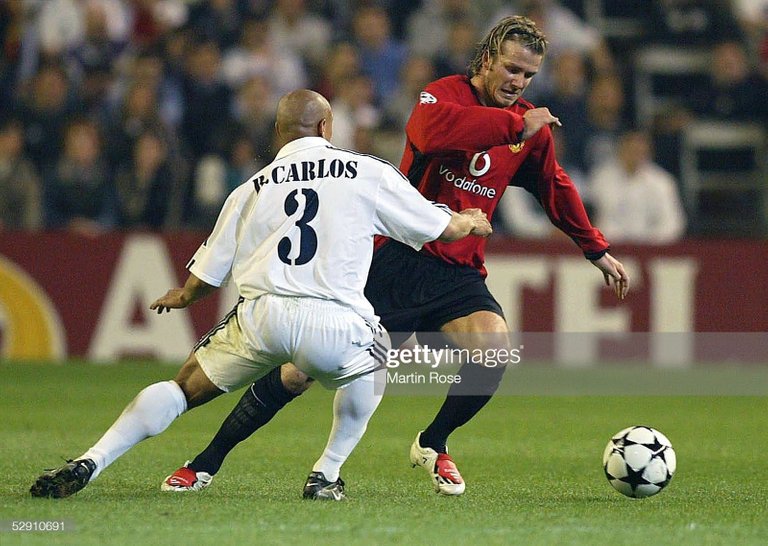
(304, 225)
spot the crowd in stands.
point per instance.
(145, 114)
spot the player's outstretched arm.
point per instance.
(467, 222)
(613, 269)
(179, 298)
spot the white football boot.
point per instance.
(445, 476)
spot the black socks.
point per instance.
(259, 404)
(464, 400)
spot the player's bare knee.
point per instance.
(195, 384)
(294, 380)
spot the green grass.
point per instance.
(532, 465)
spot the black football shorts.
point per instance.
(414, 292)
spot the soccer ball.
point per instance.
(639, 461)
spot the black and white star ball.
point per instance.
(639, 461)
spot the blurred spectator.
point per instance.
(568, 101)
(293, 28)
(95, 93)
(96, 49)
(62, 24)
(139, 114)
(576, 173)
(340, 14)
(207, 101)
(353, 108)
(11, 32)
(365, 138)
(417, 73)
(736, 91)
(255, 55)
(44, 109)
(429, 27)
(691, 22)
(636, 200)
(343, 62)
(521, 216)
(667, 129)
(217, 20)
(254, 112)
(565, 32)
(153, 19)
(145, 191)
(753, 17)
(242, 162)
(174, 47)
(400, 12)
(381, 55)
(147, 68)
(751, 14)
(92, 59)
(209, 190)
(20, 194)
(459, 49)
(606, 120)
(78, 191)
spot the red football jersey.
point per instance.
(464, 155)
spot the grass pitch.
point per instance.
(532, 465)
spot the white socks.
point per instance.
(158, 405)
(149, 414)
(353, 407)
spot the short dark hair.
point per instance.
(516, 28)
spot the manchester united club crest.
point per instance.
(516, 148)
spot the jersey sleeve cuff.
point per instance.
(592, 256)
(205, 278)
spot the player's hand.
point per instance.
(480, 224)
(537, 118)
(613, 269)
(175, 298)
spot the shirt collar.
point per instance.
(301, 144)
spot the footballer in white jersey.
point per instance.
(299, 233)
(304, 225)
(297, 239)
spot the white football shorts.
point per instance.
(326, 340)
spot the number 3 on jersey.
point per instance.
(307, 235)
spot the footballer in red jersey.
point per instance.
(467, 139)
(454, 157)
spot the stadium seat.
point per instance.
(663, 77)
(725, 177)
(616, 19)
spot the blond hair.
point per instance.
(516, 28)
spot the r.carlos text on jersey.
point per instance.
(306, 171)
